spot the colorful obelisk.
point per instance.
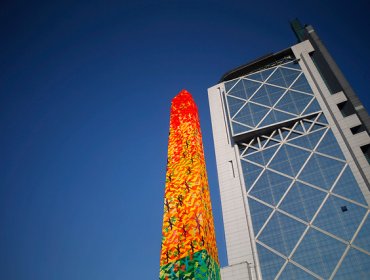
(188, 244)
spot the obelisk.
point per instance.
(188, 238)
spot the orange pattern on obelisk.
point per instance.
(187, 222)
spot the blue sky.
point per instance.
(85, 92)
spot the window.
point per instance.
(357, 129)
(346, 108)
(366, 150)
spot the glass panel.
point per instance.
(258, 112)
(329, 146)
(356, 265)
(302, 201)
(283, 77)
(255, 143)
(230, 84)
(302, 85)
(263, 140)
(270, 262)
(322, 119)
(268, 95)
(321, 171)
(340, 217)
(245, 116)
(266, 73)
(347, 186)
(251, 114)
(289, 160)
(282, 233)
(250, 172)
(259, 213)
(293, 272)
(238, 91)
(275, 117)
(262, 157)
(311, 117)
(299, 127)
(363, 238)
(271, 143)
(293, 135)
(261, 76)
(242, 149)
(270, 187)
(276, 135)
(250, 87)
(317, 126)
(238, 128)
(234, 105)
(294, 102)
(308, 141)
(293, 64)
(284, 133)
(249, 151)
(307, 125)
(319, 253)
(314, 107)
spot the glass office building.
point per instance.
(292, 150)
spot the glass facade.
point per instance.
(309, 216)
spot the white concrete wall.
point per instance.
(237, 233)
(236, 272)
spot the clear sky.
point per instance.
(85, 92)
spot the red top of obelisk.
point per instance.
(184, 108)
